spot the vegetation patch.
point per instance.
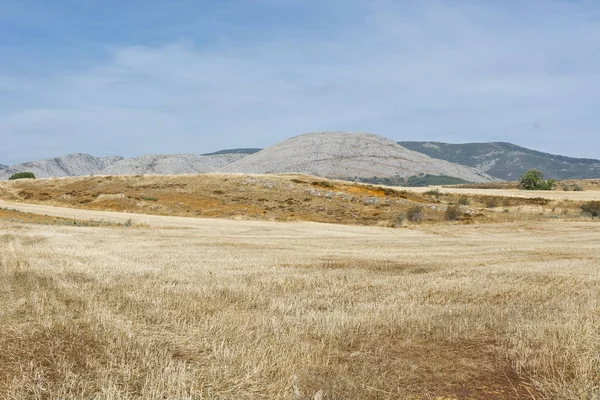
(534, 180)
(592, 208)
(22, 175)
(421, 180)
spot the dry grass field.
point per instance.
(224, 309)
(143, 302)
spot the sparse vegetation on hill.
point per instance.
(234, 151)
(413, 181)
(22, 175)
(275, 197)
(508, 161)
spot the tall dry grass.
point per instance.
(300, 311)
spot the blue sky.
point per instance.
(135, 77)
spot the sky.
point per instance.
(113, 77)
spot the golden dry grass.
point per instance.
(13, 215)
(251, 309)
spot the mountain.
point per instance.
(508, 161)
(79, 164)
(75, 164)
(2, 166)
(349, 155)
(171, 164)
(234, 151)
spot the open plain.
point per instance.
(140, 306)
(253, 309)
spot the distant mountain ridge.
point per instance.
(2, 166)
(234, 151)
(355, 156)
(78, 164)
(166, 164)
(349, 155)
(508, 161)
(75, 164)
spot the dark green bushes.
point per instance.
(534, 180)
(22, 175)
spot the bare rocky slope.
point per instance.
(171, 164)
(79, 164)
(349, 155)
(75, 164)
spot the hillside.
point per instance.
(170, 164)
(349, 156)
(2, 166)
(508, 161)
(79, 164)
(75, 164)
(289, 197)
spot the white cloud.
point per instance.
(452, 71)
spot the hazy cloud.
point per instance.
(434, 70)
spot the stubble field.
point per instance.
(224, 309)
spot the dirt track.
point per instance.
(160, 221)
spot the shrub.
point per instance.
(592, 208)
(492, 202)
(415, 214)
(22, 175)
(453, 213)
(399, 220)
(534, 180)
(464, 201)
(434, 192)
(573, 188)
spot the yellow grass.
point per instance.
(252, 309)
(288, 198)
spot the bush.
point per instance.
(453, 213)
(464, 201)
(434, 193)
(22, 175)
(415, 214)
(492, 202)
(592, 208)
(399, 220)
(534, 180)
(573, 188)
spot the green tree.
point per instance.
(22, 175)
(534, 180)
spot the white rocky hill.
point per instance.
(326, 154)
(171, 164)
(79, 164)
(349, 155)
(75, 164)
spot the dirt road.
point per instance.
(213, 225)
